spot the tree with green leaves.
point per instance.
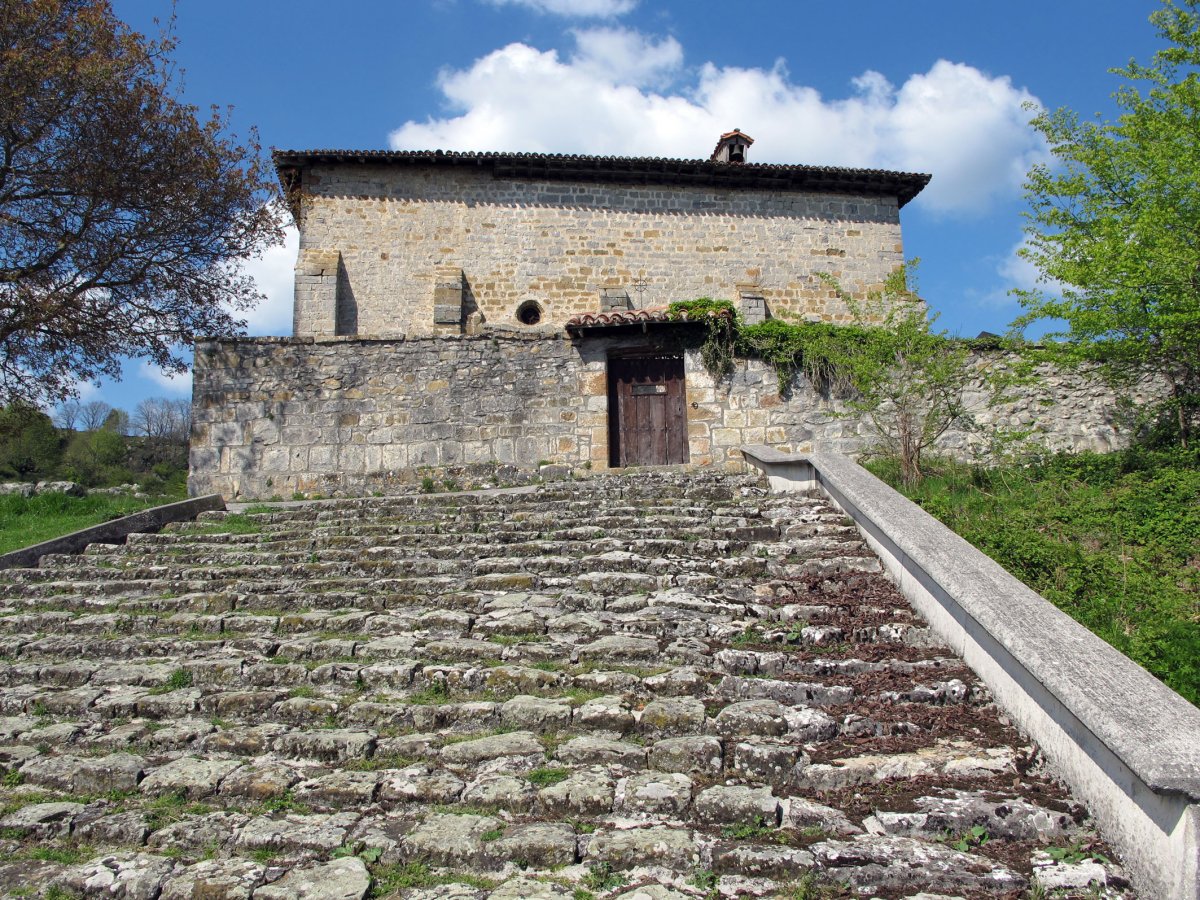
(124, 212)
(30, 445)
(907, 379)
(1114, 226)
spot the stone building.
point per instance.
(455, 308)
(416, 243)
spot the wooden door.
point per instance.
(647, 411)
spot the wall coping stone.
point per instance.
(114, 531)
(506, 332)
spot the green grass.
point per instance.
(546, 776)
(388, 879)
(30, 520)
(1113, 540)
(233, 523)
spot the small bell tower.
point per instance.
(732, 147)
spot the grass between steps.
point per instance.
(1113, 540)
(30, 520)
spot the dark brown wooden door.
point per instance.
(647, 411)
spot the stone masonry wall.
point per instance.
(382, 246)
(273, 416)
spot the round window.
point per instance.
(529, 313)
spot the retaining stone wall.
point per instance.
(272, 416)
(381, 248)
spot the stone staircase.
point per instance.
(646, 686)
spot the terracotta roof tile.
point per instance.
(626, 169)
(623, 318)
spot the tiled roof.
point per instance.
(749, 140)
(623, 318)
(627, 169)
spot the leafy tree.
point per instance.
(29, 442)
(93, 455)
(906, 378)
(122, 211)
(116, 421)
(1114, 222)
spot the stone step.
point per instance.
(719, 696)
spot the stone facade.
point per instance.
(391, 249)
(460, 309)
(278, 415)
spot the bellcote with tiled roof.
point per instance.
(732, 147)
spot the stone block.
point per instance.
(447, 314)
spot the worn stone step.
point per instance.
(718, 692)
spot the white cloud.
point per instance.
(172, 383)
(966, 128)
(575, 8)
(274, 274)
(1019, 272)
(625, 56)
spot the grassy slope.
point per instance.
(1113, 540)
(25, 521)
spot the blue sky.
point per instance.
(934, 86)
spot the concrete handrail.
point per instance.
(1128, 745)
(115, 531)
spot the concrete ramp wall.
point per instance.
(1128, 746)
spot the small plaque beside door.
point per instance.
(640, 390)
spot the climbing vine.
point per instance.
(722, 326)
(905, 378)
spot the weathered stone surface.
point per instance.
(782, 863)
(201, 834)
(529, 889)
(621, 649)
(535, 714)
(42, 820)
(338, 790)
(333, 745)
(341, 879)
(419, 784)
(653, 892)
(452, 841)
(609, 713)
(590, 751)
(654, 793)
(227, 879)
(896, 864)
(671, 717)
(586, 793)
(737, 805)
(75, 775)
(698, 755)
(192, 777)
(804, 814)
(1013, 819)
(654, 845)
(961, 759)
(766, 760)
(505, 792)
(518, 745)
(765, 718)
(296, 833)
(541, 845)
(131, 876)
(260, 780)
